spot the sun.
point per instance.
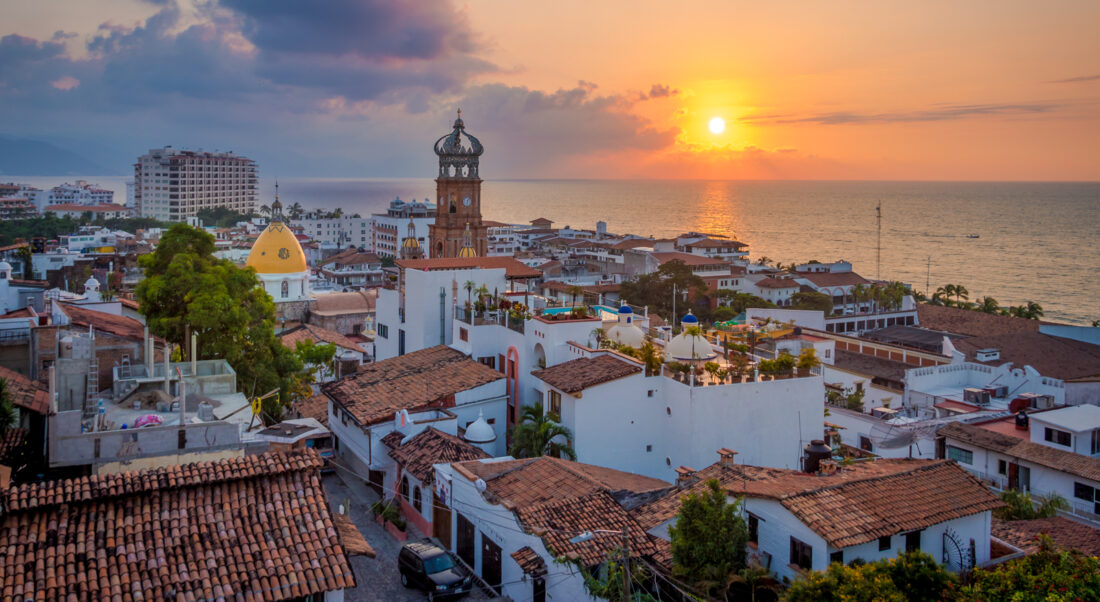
(717, 125)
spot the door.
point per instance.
(490, 563)
(375, 480)
(441, 521)
(465, 546)
(1014, 476)
(1025, 479)
(538, 590)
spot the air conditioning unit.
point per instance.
(977, 396)
(997, 391)
(1038, 401)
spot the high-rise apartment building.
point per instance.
(174, 184)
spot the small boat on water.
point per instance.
(973, 236)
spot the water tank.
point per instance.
(813, 454)
(206, 412)
(1022, 421)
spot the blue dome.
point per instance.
(625, 309)
(690, 319)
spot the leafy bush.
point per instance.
(1021, 506)
(1050, 574)
(910, 576)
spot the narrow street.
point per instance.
(376, 578)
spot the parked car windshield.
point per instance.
(439, 563)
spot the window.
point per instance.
(837, 557)
(463, 335)
(802, 555)
(383, 331)
(286, 289)
(1002, 467)
(884, 543)
(1085, 492)
(754, 528)
(828, 352)
(912, 541)
(1056, 436)
(960, 455)
(416, 498)
(405, 488)
(649, 448)
(650, 393)
(555, 403)
(1096, 442)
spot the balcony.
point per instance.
(489, 318)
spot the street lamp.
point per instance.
(588, 535)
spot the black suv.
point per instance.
(428, 567)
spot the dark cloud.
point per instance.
(556, 126)
(939, 113)
(1075, 80)
(661, 91)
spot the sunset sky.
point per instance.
(361, 88)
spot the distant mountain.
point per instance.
(25, 157)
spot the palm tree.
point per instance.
(944, 294)
(469, 286)
(265, 210)
(574, 292)
(988, 305)
(295, 211)
(539, 434)
(860, 293)
(650, 357)
(1033, 311)
(961, 294)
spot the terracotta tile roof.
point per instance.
(332, 304)
(831, 279)
(1064, 461)
(351, 259)
(309, 332)
(771, 282)
(393, 439)
(315, 407)
(577, 375)
(556, 522)
(10, 442)
(534, 481)
(432, 446)
(256, 528)
(30, 283)
(691, 259)
(857, 504)
(120, 326)
(414, 380)
(350, 537)
(633, 243)
(529, 562)
(22, 312)
(711, 243)
(512, 268)
(971, 323)
(26, 393)
(1054, 357)
(130, 303)
(340, 255)
(861, 363)
(1067, 534)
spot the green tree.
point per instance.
(316, 356)
(656, 290)
(539, 434)
(7, 408)
(812, 300)
(807, 360)
(1019, 505)
(708, 540)
(1051, 574)
(911, 576)
(961, 294)
(186, 289)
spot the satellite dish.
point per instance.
(480, 485)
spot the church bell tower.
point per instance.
(458, 224)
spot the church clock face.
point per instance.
(466, 201)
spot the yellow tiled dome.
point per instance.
(277, 251)
(467, 252)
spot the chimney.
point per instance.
(684, 476)
(726, 456)
(989, 354)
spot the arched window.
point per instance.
(405, 488)
(453, 209)
(416, 498)
(286, 289)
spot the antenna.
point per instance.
(928, 278)
(878, 244)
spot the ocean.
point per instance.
(1035, 241)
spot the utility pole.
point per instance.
(626, 565)
(928, 278)
(878, 245)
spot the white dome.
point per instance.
(479, 431)
(5, 266)
(91, 284)
(626, 334)
(686, 348)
